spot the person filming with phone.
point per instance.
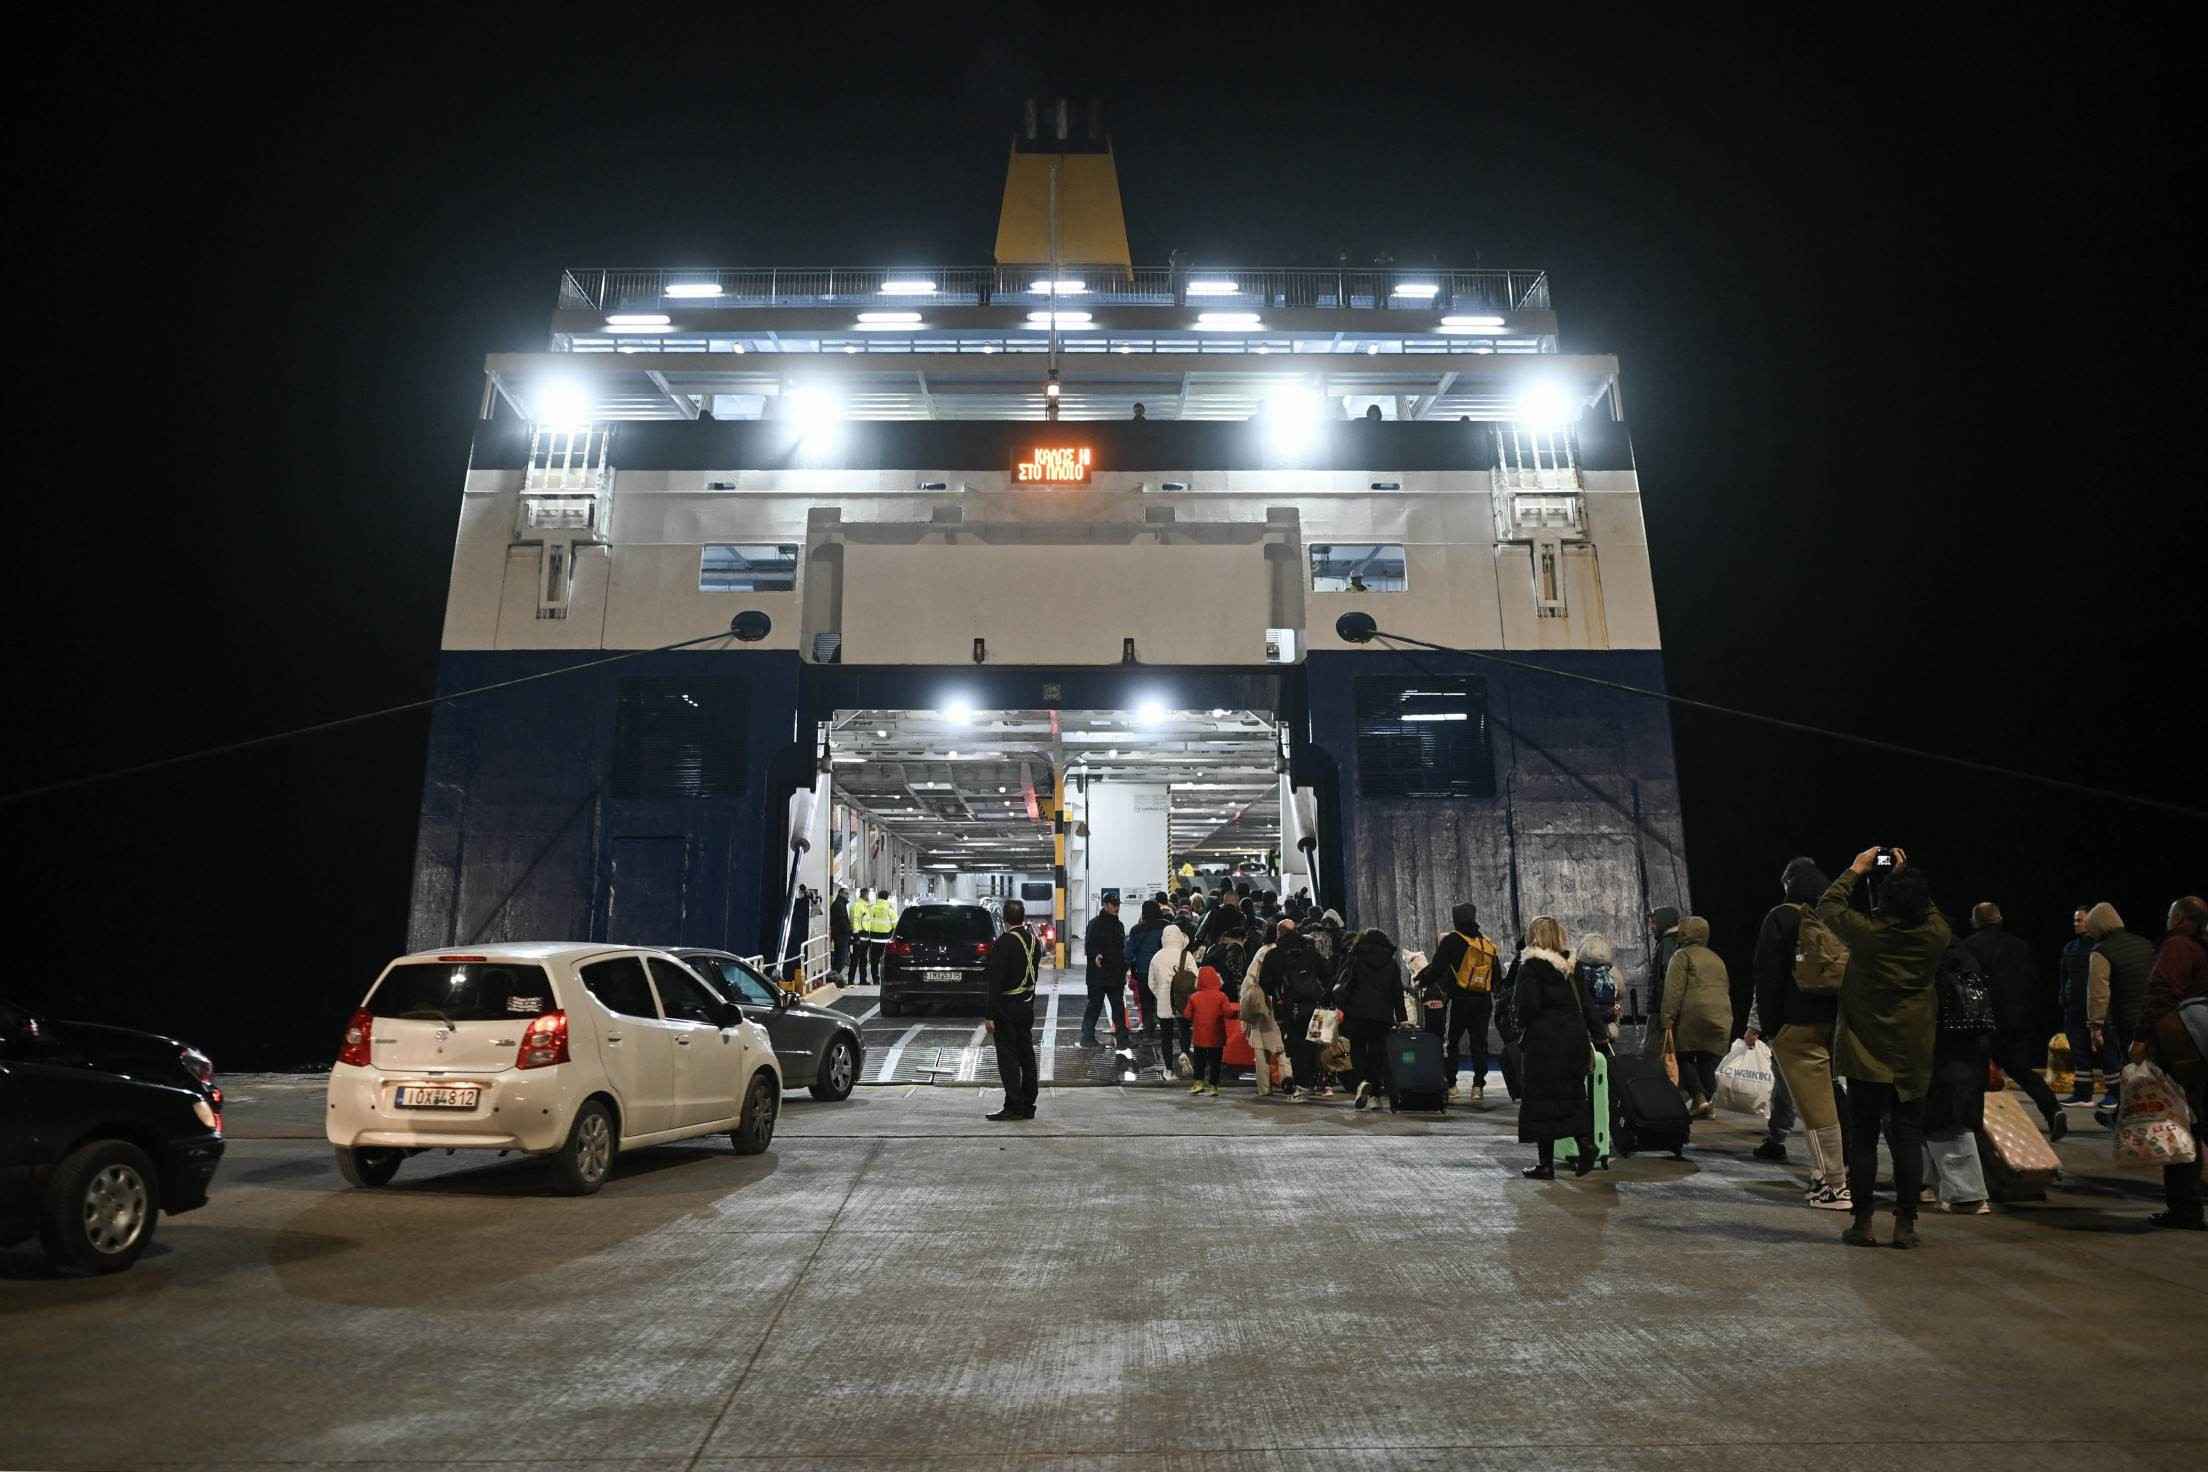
(1889, 1021)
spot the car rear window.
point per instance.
(463, 991)
(945, 923)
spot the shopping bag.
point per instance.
(2062, 1070)
(1326, 1022)
(1744, 1080)
(1137, 1014)
(2154, 1125)
(1671, 1059)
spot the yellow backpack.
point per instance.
(1476, 972)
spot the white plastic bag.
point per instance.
(1325, 1023)
(2154, 1125)
(1745, 1081)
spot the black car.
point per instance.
(817, 1047)
(936, 953)
(101, 1129)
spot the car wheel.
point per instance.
(838, 1072)
(368, 1169)
(581, 1166)
(755, 1130)
(100, 1208)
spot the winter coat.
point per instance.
(1220, 921)
(1296, 981)
(1207, 1011)
(1370, 987)
(1009, 973)
(2077, 971)
(1452, 949)
(1142, 942)
(2018, 1003)
(1698, 997)
(839, 918)
(1558, 1025)
(1104, 948)
(1664, 921)
(2123, 961)
(1258, 1018)
(1779, 1002)
(1172, 945)
(1888, 1011)
(2180, 971)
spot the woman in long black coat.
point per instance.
(1558, 1023)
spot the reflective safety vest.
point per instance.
(1031, 947)
(881, 917)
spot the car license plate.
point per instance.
(417, 1096)
(946, 975)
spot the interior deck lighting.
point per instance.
(908, 286)
(890, 322)
(638, 319)
(693, 288)
(1471, 321)
(1227, 322)
(1065, 286)
(1065, 319)
(1423, 290)
(1213, 288)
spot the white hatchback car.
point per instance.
(573, 1052)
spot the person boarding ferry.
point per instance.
(1010, 979)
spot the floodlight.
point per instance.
(815, 412)
(1547, 406)
(1291, 418)
(560, 403)
(959, 713)
(1151, 712)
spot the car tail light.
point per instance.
(902, 949)
(981, 950)
(358, 1050)
(544, 1042)
(214, 1102)
(208, 1114)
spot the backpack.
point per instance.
(1184, 984)
(1820, 957)
(1966, 1004)
(1229, 958)
(1300, 983)
(1476, 972)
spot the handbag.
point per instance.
(1671, 1059)
(1326, 1024)
(2154, 1124)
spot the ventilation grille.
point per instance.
(1423, 737)
(676, 737)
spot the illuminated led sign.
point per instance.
(1054, 465)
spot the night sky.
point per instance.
(1906, 307)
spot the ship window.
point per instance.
(677, 736)
(1423, 737)
(1358, 567)
(747, 567)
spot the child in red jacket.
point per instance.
(1207, 1013)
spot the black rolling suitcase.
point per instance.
(1646, 1109)
(1514, 1060)
(1418, 1076)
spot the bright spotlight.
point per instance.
(959, 713)
(1291, 419)
(814, 413)
(563, 403)
(1547, 406)
(1151, 712)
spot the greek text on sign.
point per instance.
(1054, 465)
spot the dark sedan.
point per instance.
(937, 953)
(101, 1129)
(819, 1048)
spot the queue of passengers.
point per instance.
(1893, 1042)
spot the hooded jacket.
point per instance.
(1779, 1002)
(1371, 984)
(1889, 1011)
(1258, 1021)
(2019, 1004)
(1664, 922)
(1698, 996)
(1142, 941)
(1207, 1011)
(1172, 945)
(1559, 1031)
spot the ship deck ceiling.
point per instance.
(960, 791)
(1478, 386)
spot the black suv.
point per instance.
(101, 1129)
(937, 952)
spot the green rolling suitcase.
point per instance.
(1598, 1083)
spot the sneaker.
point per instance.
(1539, 1172)
(2079, 1095)
(1967, 1208)
(1831, 1198)
(1774, 1150)
(1212, 1089)
(1327, 1092)
(1926, 1194)
(1195, 1088)
(1479, 1093)
(2171, 1221)
(2058, 1125)
(1905, 1232)
(1703, 1109)
(1008, 1113)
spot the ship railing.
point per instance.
(1206, 288)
